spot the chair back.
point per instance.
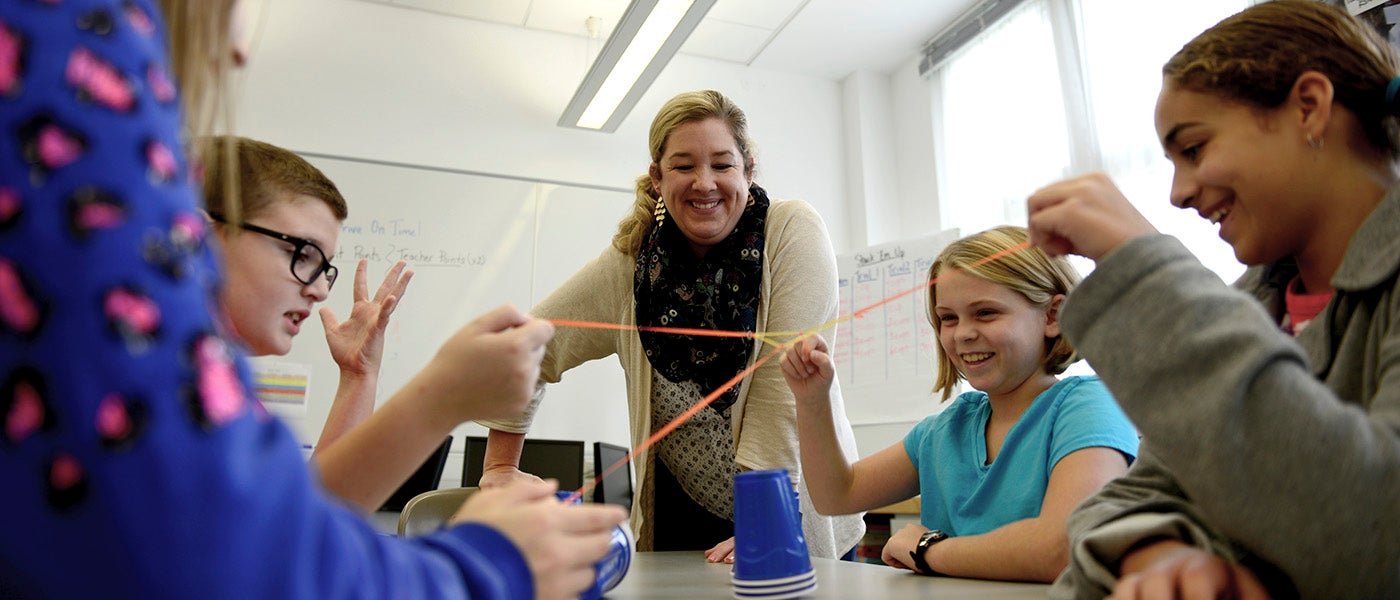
(429, 511)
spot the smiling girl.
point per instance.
(1001, 467)
(1267, 422)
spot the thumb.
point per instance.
(499, 319)
(823, 362)
(328, 320)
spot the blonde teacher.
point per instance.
(704, 247)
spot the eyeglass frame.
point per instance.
(326, 268)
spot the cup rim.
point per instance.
(772, 581)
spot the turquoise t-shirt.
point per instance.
(962, 495)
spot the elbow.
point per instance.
(1053, 559)
(823, 504)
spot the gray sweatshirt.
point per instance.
(1281, 454)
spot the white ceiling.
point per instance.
(824, 38)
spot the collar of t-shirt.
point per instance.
(1302, 307)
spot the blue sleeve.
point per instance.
(1087, 416)
(135, 462)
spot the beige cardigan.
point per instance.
(798, 292)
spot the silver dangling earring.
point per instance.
(660, 211)
(1314, 142)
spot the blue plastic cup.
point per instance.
(613, 567)
(768, 541)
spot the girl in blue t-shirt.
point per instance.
(1001, 467)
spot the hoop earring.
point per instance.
(1314, 142)
(660, 211)
(750, 200)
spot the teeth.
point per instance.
(976, 356)
(1218, 216)
(296, 318)
(706, 205)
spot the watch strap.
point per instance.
(928, 539)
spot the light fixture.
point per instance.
(649, 34)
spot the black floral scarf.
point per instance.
(673, 288)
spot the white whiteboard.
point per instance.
(474, 242)
(886, 356)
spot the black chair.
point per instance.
(423, 480)
(559, 459)
(616, 487)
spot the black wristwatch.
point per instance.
(929, 538)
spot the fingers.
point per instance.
(722, 552)
(385, 310)
(536, 332)
(395, 281)
(500, 319)
(361, 282)
(822, 363)
(593, 518)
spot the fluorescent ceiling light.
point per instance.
(649, 34)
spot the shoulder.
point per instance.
(965, 406)
(1081, 394)
(793, 216)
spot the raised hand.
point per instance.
(808, 369)
(488, 368)
(357, 344)
(1084, 215)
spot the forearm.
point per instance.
(829, 476)
(1249, 415)
(503, 449)
(372, 460)
(1027, 550)
(354, 401)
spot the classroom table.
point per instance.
(688, 575)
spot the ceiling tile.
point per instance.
(568, 16)
(510, 12)
(726, 41)
(769, 14)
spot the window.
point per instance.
(1062, 87)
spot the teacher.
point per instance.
(704, 248)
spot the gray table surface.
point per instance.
(687, 575)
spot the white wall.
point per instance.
(371, 81)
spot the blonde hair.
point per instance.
(1027, 271)
(684, 108)
(1256, 55)
(264, 173)
(200, 61)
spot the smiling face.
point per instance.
(994, 336)
(704, 180)
(265, 301)
(1243, 168)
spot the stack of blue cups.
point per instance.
(770, 553)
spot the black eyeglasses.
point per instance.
(306, 265)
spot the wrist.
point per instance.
(922, 549)
(1142, 554)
